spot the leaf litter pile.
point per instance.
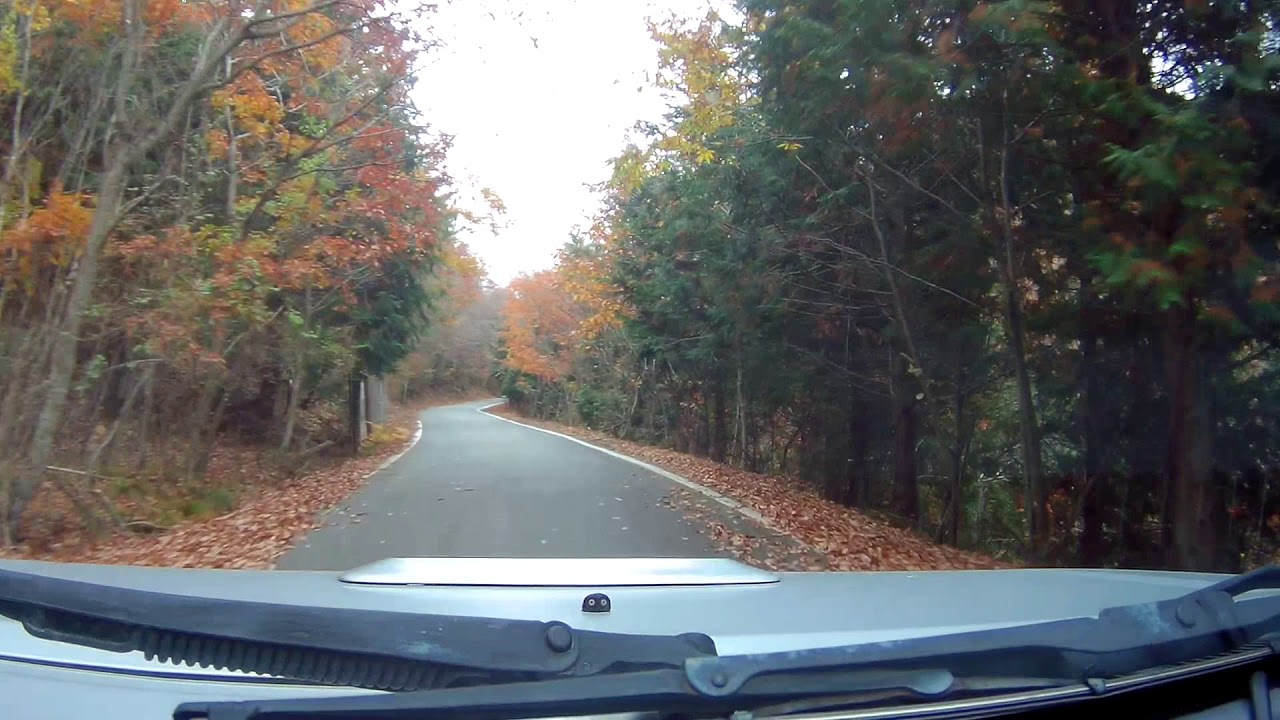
(809, 532)
(273, 510)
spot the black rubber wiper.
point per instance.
(662, 691)
(1061, 660)
(359, 648)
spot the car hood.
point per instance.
(743, 609)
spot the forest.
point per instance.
(215, 216)
(1003, 272)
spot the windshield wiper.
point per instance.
(360, 648)
(1053, 661)
(662, 691)
(1121, 640)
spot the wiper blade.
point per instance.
(1064, 659)
(361, 648)
(664, 691)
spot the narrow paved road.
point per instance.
(478, 486)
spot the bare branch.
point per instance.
(343, 168)
(257, 59)
(815, 174)
(914, 184)
(885, 264)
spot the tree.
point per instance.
(247, 212)
(1002, 268)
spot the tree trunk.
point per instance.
(1190, 456)
(857, 484)
(63, 360)
(204, 423)
(119, 156)
(299, 368)
(740, 424)
(1029, 433)
(354, 412)
(233, 160)
(295, 395)
(718, 421)
(1029, 430)
(1092, 543)
(956, 458)
(906, 490)
(99, 453)
(144, 423)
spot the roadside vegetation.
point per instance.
(1003, 272)
(215, 219)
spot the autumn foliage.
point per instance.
(542, 324)
(213, 215)
(1004, 272)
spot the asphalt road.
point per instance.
(478, 486)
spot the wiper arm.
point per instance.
(1121, 640)
(361, 648)
(665, 691)
(1063, 659)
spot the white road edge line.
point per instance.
(722, 499)
(417, 435)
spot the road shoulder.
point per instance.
(732, 526)
(264, 524)
(797, 529)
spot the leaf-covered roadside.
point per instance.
(850, 540)
(269, 519)
(742, 537)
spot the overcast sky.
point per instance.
(539, 96)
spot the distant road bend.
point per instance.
(476, 485)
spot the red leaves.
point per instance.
(848, 539)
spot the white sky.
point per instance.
(537, 123)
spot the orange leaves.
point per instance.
(206, 286)
(93, 20)
(308, 140)
(64, 220)
(541, 326)
(255, 109)
(584, 275)
(52, 236)
(302, 272)
(324, 49)
(159, 254)
(552, 314)
(217, 142)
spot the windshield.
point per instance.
(811, 285)
(491, 360)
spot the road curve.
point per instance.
(477, 486)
